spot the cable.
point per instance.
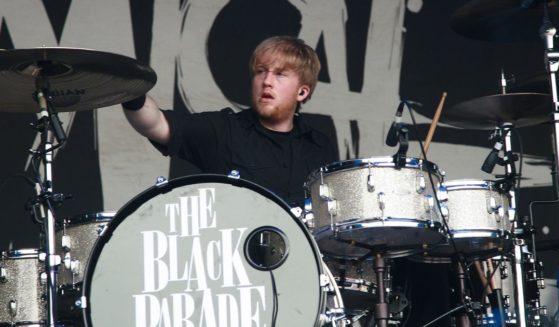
(275, 299)
(445, 314)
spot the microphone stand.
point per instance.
(403, 139)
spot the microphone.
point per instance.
(392, 135)
(492, 158)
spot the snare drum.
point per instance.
(369, 204)
(22, 288)
(479, 219)
(207, 250)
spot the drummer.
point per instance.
(269, 144)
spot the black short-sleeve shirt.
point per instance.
(221, 141)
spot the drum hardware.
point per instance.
(384, 198)
(38, 81)
(23, 283)
(213, 275)
(381, 310)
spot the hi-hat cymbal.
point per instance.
(78, 79)
(503, 20)
(485, 113)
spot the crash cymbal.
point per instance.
(519, 109)
(503, 20)
(78, 79)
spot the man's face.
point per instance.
(276, 91)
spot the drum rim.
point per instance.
(376, 162)
(99, 216)
(23, 253)
(468, 183)
(137, 201)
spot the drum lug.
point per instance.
(492, 205)
(444, 211)
(101, 229)
(442, 193)
(75, 266)
(161, 181)
(324, 192)
(66, 242)
(500, 214)
(67, 260)
(381, 202)
(506, 301)
(13, 308)
(421, 184)
(429, 203)
(332, 207)
(81, 303)
(370, 183)
(234, 174)
(324, 281)
(3, 275)
(43, 278)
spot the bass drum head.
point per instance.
(204, 250)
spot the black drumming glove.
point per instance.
(135, 104)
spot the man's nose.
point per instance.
(268, 78)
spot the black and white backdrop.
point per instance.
(373, 52)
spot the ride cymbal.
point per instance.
(77, 79)
(485, 113)
(503, 20)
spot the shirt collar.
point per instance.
(250, 120)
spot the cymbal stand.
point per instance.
(48, 125)
(518, 267)
(551, 59)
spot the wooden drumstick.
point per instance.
(433, 125)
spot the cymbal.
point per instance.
(502, 20)
(485, 113)
(78, 79)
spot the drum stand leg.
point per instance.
(381, 310)
(519, 283)
(462, 319)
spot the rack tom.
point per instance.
(478, 215)
(370, 205)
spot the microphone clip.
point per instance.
(399, 158)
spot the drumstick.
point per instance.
(433, 125)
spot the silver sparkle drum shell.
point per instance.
(166, 256)
(22, 288)
(75, 241)
(365, 204)
(479, 218)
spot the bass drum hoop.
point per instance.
(166, 186)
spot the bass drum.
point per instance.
(207, 250)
